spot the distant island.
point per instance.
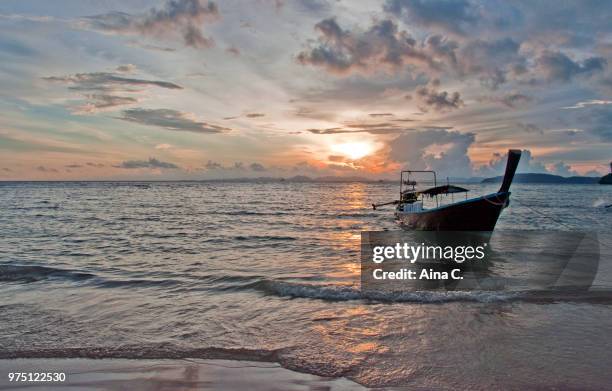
(545, 178)
(607, 179)
(300, 179)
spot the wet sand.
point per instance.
(186, 374)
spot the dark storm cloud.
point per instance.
(493, 62)
(450, 15)
(429, 98)
(504, 44)
(171, 120)
(557, 66)
(151, 163)
(183, 18)
(382, 45)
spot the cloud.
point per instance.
(163, 146)
(101, 89)
(336, 158)
(560, 168)
(446, 152)
(257, 167)
(255, 115)
(171, 120)
(598, 121)
(126, 68)
(182, 18)
(438, 101)
(384, 129)
(210, 165)
(513, 100)
(529, 128)
(107, 81)
(527, 164)
(95, 165)
(592, 102)
(416, 150)
(73, 166)
(383, 45)
(491, 61)
(151, 163)
(152, 47)
(380, 115)
(46, 169)
(454, 16)
(101, 102)
(233, 50)
(556, 66)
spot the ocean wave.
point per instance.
(146, 351)
(25, 274)
(264, 237)
(250, 213)
(337, 293)
(135, 283)
(31, 273)
(351, 292)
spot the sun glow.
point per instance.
(353, 150)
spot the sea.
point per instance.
(270, 272)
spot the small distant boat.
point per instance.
(474, 214)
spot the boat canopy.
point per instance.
(445, 189)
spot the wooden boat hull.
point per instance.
(476, 214)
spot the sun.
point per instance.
(353, 150)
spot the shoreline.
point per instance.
(166, 374)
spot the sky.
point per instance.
(191, 89)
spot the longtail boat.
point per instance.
(473, 214)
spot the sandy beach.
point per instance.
(185, 374)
